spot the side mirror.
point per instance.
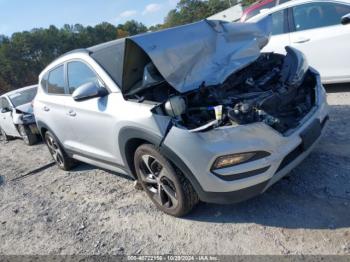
(88, 91)
(345, 19)
(5, 110)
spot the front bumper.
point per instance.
(198, 152)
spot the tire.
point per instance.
(59, 156)
(4, 138)
(165, 185)
(28, 137)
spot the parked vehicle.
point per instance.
(208, 119)
(258, 7)
(16, 115)
(318, 28)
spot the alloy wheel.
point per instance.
(55, 150)
(158, 182)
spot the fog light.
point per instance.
(231, 160)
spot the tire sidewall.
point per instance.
(151, 150)
(66, 163)
(24, 134)
(4, 137)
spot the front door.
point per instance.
(93, 120)
(320, 35)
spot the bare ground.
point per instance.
(91, 211)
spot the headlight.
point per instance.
(235, 159)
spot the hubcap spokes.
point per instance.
(158, 182)
(54, 150)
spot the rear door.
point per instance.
(319, 34)
(51, 106)
(280, 33)
(6, 120)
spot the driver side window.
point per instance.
(78, 74)
(316, 15)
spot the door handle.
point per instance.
(72, 113)
(302, 40)
(46, 109)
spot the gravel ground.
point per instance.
(91, 211)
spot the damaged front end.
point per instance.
(212, 74)
(275, 89)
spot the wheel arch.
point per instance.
(43, 128)
(130, 138)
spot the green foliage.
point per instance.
(24, 55)
(133, 27)
(189, 11)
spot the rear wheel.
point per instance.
(4, 138)
(28, 137)
(62, 160)
(168, 189)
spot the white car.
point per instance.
(16, 115)
(318, 28)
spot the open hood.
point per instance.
(185, 56)
(26, 108)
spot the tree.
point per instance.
(24, 55)
(133, 27)
(189, 11)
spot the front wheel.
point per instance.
(4, 137)
(62, 160)
(28, 137)
(168, 189)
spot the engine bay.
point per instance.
(275, 89)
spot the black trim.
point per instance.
(73, 152)
(129, 134)
(324, 121)
(285, 22)
(290, 157)
(298, 150)
(291, 22)
(234, 196)
(243, 175)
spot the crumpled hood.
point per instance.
(26, 108)
(206, 51)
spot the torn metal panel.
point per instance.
(185, 56)
(206, 51)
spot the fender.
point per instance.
(129, 139)
(139, 135)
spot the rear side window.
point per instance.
(55, 82)
(78, 74)
(319, 14)
(4, 103)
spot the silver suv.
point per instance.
(192, 113)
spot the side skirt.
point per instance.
(99, 163)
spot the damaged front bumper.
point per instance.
(199, 151)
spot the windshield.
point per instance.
(23, 97)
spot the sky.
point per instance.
(21, 15)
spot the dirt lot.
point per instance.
(90, 211)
